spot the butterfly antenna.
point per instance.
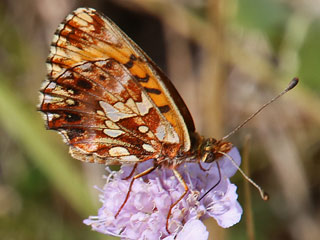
(291, 85)
(263, 194)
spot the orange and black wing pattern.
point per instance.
(110, 102)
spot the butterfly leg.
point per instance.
(217, 183)
(186, 189)
(149, 170)
(132, 172)
(202, 168)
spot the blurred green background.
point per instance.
(226, 58)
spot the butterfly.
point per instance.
(113, 105)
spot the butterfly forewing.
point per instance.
(107, 98)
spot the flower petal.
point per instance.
(193, 229)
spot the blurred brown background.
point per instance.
(226, 58)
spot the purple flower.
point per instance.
(144, 215)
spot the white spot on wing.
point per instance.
(111, 125)
(51, 85)
(101, 113)
(49, 66)
(144, 106)
(70, 91)
(130, 158)
(131, 104)
(118, 151)
(143, 129)
(55, 38)
(160, 132)
(113, 113)
(86, 17)
(148, 147)
(172, 137)
(53, 49)
(52, 116)
(113, 132)
(52, 99)
(70, 102)
(122, 107)
(86, 66)
(167, 134)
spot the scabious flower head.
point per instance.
(144, 215)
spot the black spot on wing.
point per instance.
(133, 57)
(144, 79)
(102, 77)
(83, 83)
(72, 117)
(164, 109)
(74, 132)
(153, 90)
(109, 64)
(129, 64)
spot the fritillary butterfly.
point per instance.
(113, 105)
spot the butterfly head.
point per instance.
(211, 149)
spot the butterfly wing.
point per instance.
(107, 98)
